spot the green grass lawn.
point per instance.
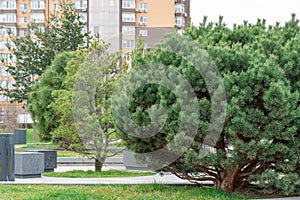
(67, 153)
(41, 146)
(129, 192)
(93, 174)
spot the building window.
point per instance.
(143, 20)
(37, 17)
(6, 31)
(2, 111)
(23, 32)
(3, 44)
(83, 17)
(81, 4)
(8, 57)
(23, 7)
(128, 30)
(128, 17)
(41, 28)
(23, 19)
(143, 33)
(144, 7)
(8, 4)
(84, 30)
(56, 7)
(37, 4)
(128, 4)
(179, 21)
(179, 8)
(128, 44)
(3, 71)
(7, 84)
(8, 18)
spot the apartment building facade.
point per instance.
(119, 22)
(15, 16)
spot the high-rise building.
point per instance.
(15, 15)
(119, 22)
(151, 20)
(104, 19)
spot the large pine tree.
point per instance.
(258, 145)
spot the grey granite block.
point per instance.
(20, 136)
(50, 158)
(7, 161)
(131, 163)
(29, 164)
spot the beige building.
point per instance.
(151, 19)
(121, 22)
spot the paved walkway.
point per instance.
(165, 179)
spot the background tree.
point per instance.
(35, 52)
(259, 142)
(86, 127)
(41, 96)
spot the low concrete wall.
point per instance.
(29, 164)
(131, 163)
(87, 161)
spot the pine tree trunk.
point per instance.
(98, 165)
(226, 183)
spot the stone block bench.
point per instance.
(50, 158)
(29, 164)
(131, 163)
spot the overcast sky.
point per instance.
(235, 11)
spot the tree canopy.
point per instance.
(71, 103)
(259, 144)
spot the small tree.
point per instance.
(90, 131)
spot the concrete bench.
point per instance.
(50, 158)
(131, 163)
(29, 164)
